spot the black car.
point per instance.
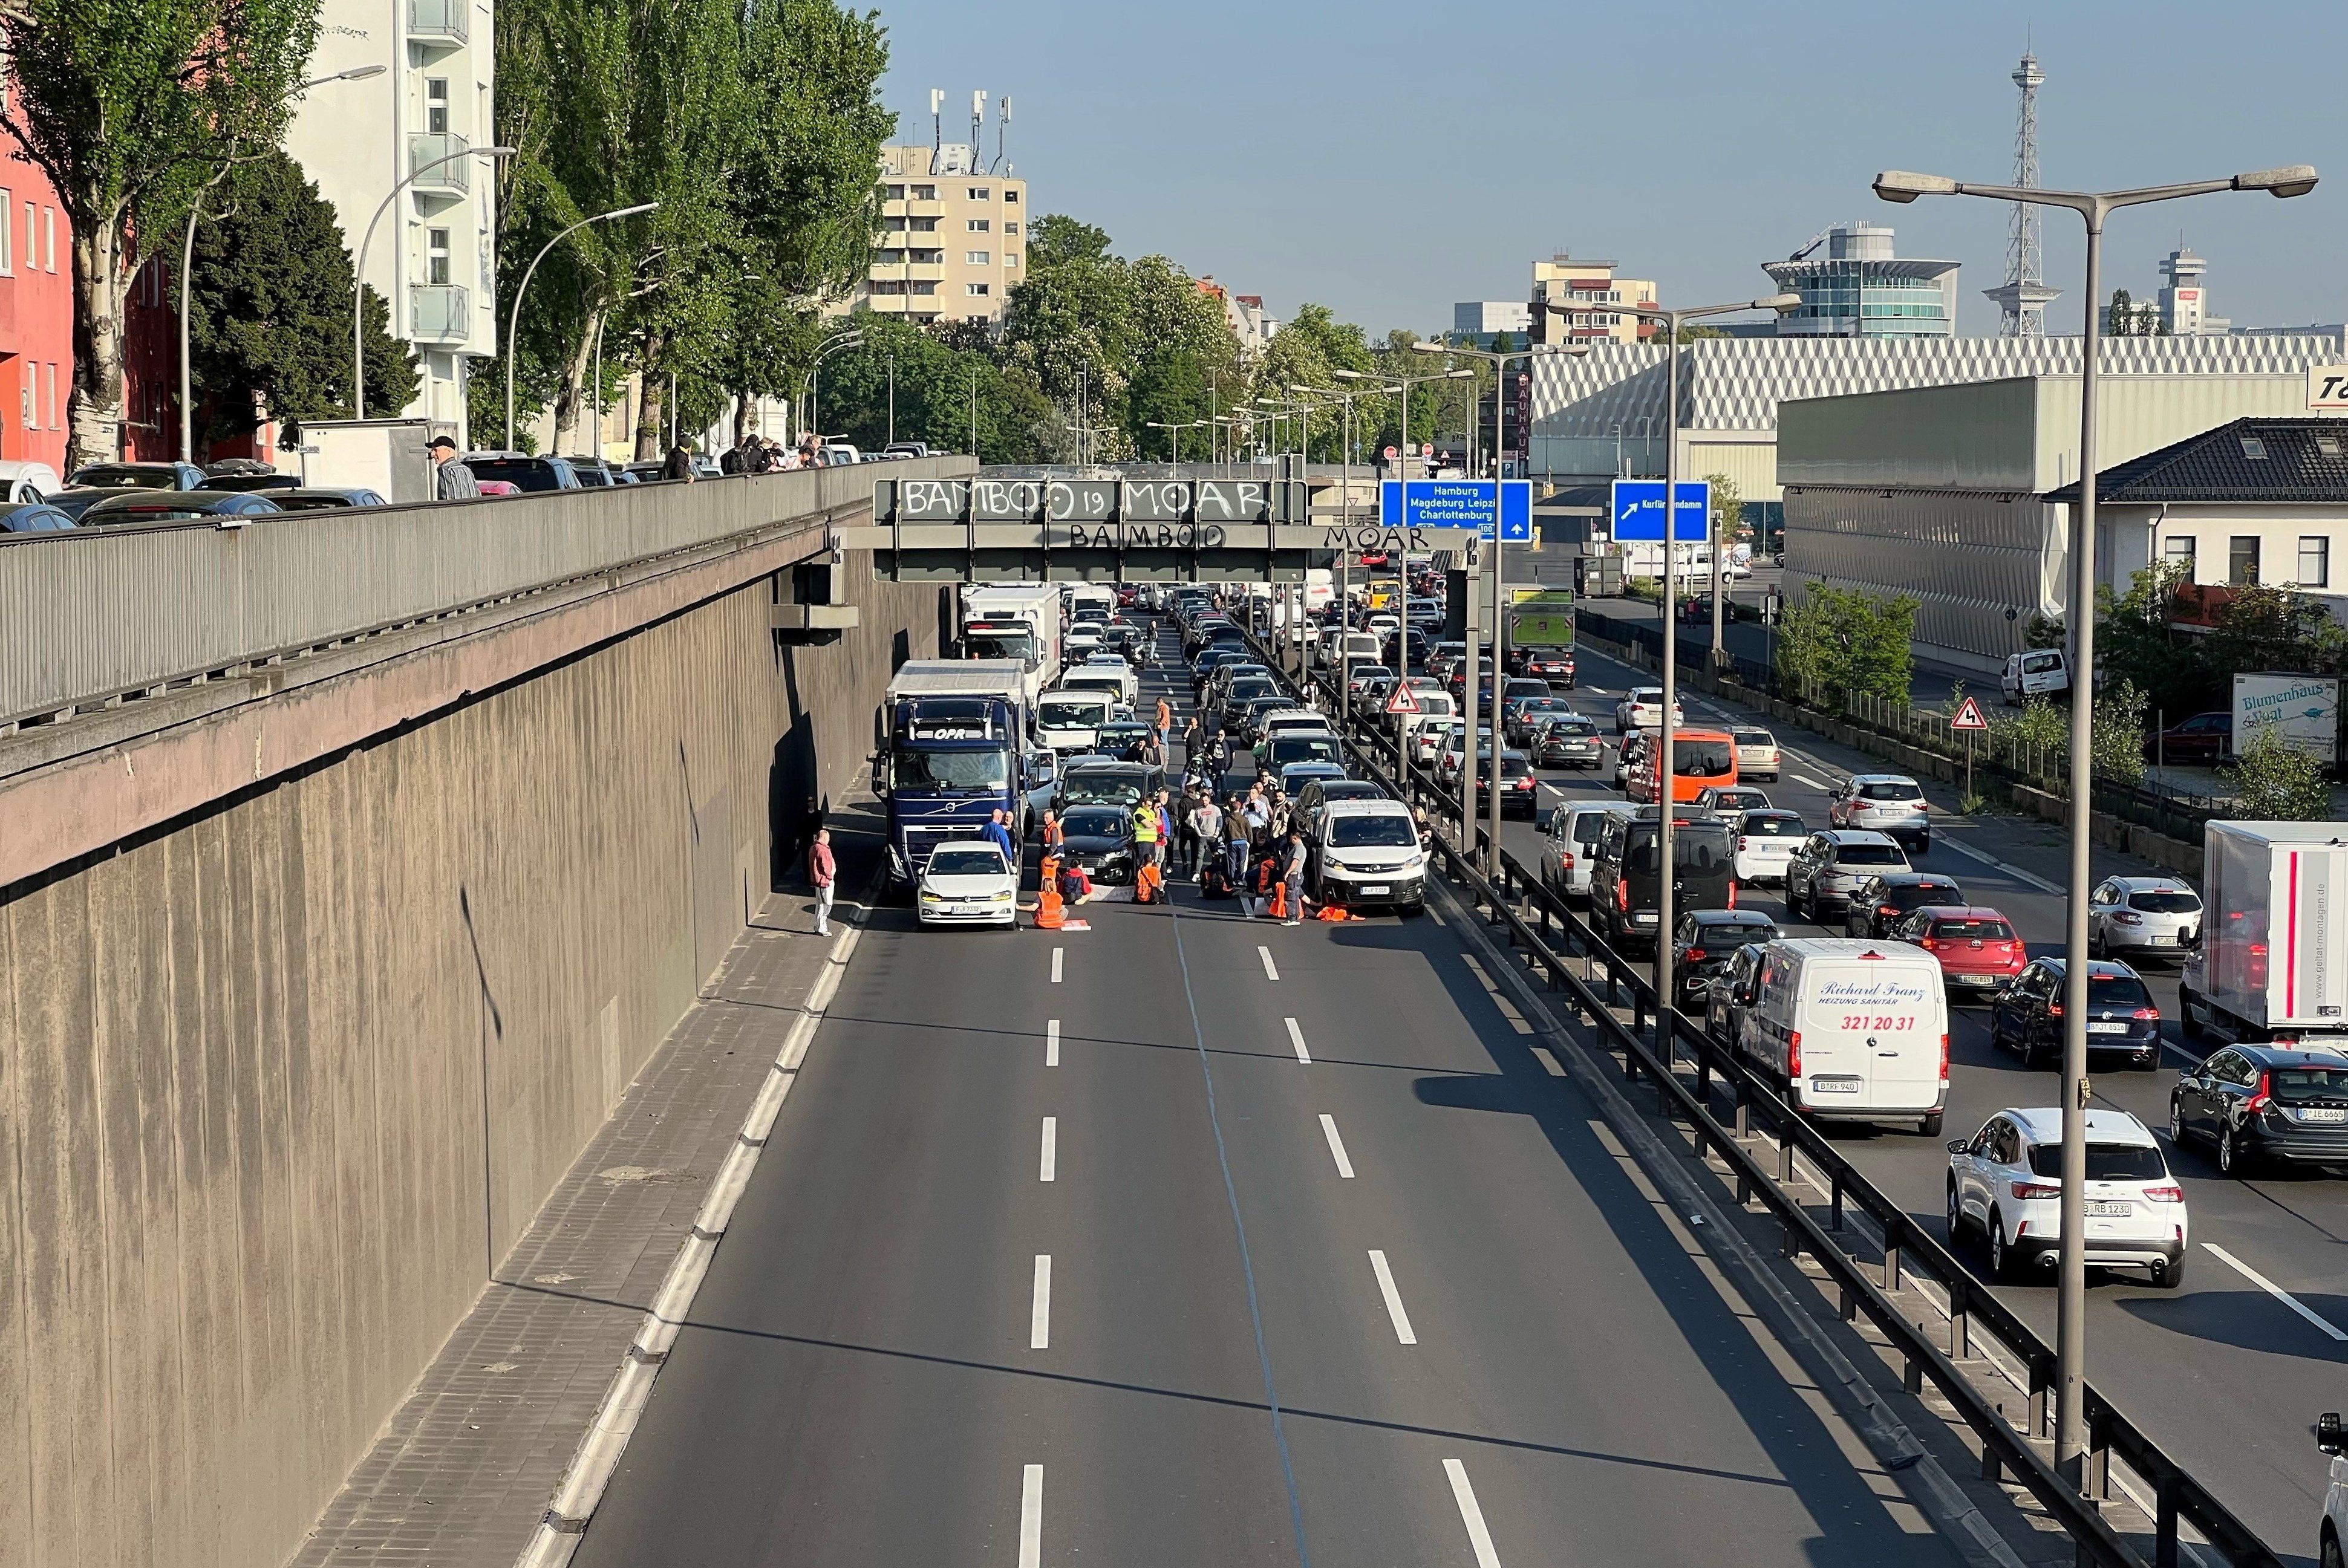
(1110, 783)
(2026, 1017)
(1703, 945)
(1568, 741)
(1731, 993)
(524, 471)
(1519, 790)
(1122, 738)
(2261, 1102)
(1881, 902)
(1626, 880)
(1100, 839)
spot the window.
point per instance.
(49, 390)
(435, 255)
(435, 105)
(892, 258)
(919, 287)
(1010, 198)
(32, 255)
(2254, 449)
(925, 193)
(927, 258)
(896, 193)
(977, 288)
(2242, 561)
(1010, 258)
(7, 256)
(2327, 445)
(925, 225)
(2180, 549)
(1014, 229)
(893, 225)
(978, 225)
(48, 238)
(975, 258)
(980, 193)
(2314, 560)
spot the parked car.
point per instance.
(2203, 738)
(1765, 841)
(1882, 901)
(324, 499)
(1830, 866)
(1757, 754)
(2006, 1183)
(494, 487)
(2145, 916)
(2285, 1103)
(913, 449)
(523, 470)
(2026, 1017)
(22, 480)
(1891, 804)
(595, 473)
(1976, 946)
(136, 508)
(258, 476)
(2039, 672)
(1567, 741)
(1702, 947)
(33, 517)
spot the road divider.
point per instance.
(1470, 1515)
(1057, 956)
(1270, 970)
(1052, 1042)
(1031, 1517)
(1051, 1148)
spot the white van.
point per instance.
(2040, 673)
(1851, 1030)
(1291, 721)
(1355, 647)
(1071, 719)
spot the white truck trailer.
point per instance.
(2272, 959)
(1015, 621)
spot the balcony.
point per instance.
(453, 177)
(443, 22)
(440, 313)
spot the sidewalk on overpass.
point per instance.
(461, 1474)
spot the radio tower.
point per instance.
(2023, 297)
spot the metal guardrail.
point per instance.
(1974, 1309)
(91, 615)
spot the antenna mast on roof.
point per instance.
(937, 123)
(1002, 120)
(977, 120)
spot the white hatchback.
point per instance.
(2142, 917)
(968, 883)
(1765, 840)
(1644, 709)
(2005, 1184)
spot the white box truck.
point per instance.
(2272, 963)
(389, 457)
(1852, 1031)
(2303, 711)
(1018, 621)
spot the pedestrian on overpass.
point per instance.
(823, 871)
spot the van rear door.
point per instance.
(1871, 1029)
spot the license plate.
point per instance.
(1835, 1085)
(2110, 1211)
(2321, 1113)
(2099, 1026)
(2156, 939)
(1383, 888)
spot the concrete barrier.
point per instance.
(290, 1060)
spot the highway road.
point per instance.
(2229, 1370)
(1189, 1239)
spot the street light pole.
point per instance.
(513, 327)
(813, 422)
(1668, 734)
(359, 267)
(2094, 208)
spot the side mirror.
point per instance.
(2327, 1432)
(1959, 1146)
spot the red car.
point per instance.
(2203, 738)
(1977, 946)
(1126, 594)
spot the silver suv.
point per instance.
(2149, 917)
(1891, 804)
(1830, 866)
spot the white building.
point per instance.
(2185, 298)
(1861, 287)
(1479, 321)
(434, 252)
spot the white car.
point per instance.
(2331, 1535)
(2005, 1184)
(968, 883)
(1116, 678)
(1891, 804)
(1570, 844)
(2149, 917)
(1366, 852)
(1758, 758)
(1644, 709)
(1766, 841)
(1429, 735)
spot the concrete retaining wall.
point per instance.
(280, 1079)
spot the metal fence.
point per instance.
(90, 615)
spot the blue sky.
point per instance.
(1386, 159)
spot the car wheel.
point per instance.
(2095, 948)
(2331, 1557)
(2001, 1263)
(2169, 1277)
(1931, 1126)
(2175, 1122)
(1957, 1222)
(2232, 1159)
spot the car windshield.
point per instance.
(1891, 792)
(1305, 749)
(928, 767)
(2117, 992)
(1101, 786)
(2164, 903)
(1701, 759)
(1019, 645)
(1248, 687)
(1761, 826)
(1096, 822)
(959, 860)
(1971, 930)
(2293, 1086)
(1071, 712)
(1384, 830)
(1869, 855)
(1697, 846)
(2105, 1162)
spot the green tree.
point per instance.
(269, 321)
(1849, 641)
(1727, 511)
(2274, 783)
(129, 107)
(2120, 320)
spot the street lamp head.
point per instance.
(1781, 303)
(2291, 179)
(359, 73)
(1352, 375)
(1901, 186)
(1424, 346)
(1462, 373)
(632, 211)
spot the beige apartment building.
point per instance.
(1574, 280)
(952, 241)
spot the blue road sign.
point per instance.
(1639, 511)
(1460, 504)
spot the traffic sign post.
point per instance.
(1460, 504)
(1403, 700)
(1969, 721)
(1639, 511)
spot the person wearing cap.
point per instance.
(455, 482)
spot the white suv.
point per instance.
(1644, 709)
(2006, 1183)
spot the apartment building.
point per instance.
(434, 252)
(1576, 281)
(952, 237)
(35, 308)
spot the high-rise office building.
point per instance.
(1853, 284)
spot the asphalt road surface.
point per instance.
(1063, 1250)
(2225, 1372)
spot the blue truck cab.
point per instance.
(957, 753)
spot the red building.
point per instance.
(35, 310)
